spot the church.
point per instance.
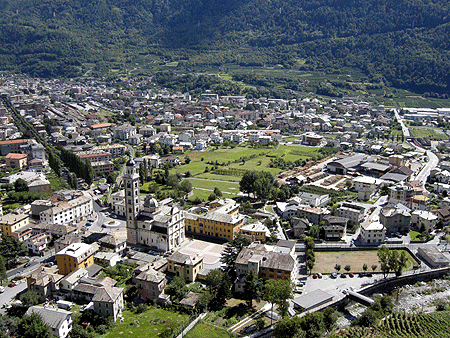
(160, 227)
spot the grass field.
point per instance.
(325, 261)
(148, 324)
(205, 330)
(428, 132)
(227, 188)
(253, 159)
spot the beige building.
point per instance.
(108, 301)
(372, 233)
(16, 225)
(150, 284)
(14, 160)
(184, 266)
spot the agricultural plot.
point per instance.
(428, 132)
(417, 325)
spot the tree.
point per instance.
(3, 274)
(364, 267)
(33, 326)
(310, 264)
(219, 286)
(314, 232)
(186, 186)
(29, 298)
(187, 160)
(374, 267)
(278, 292)
(212, 197)
(347, 268)
(172, 181)
(252, 288)
(383, 257)
(8, 326)
(11, 248)
(20, 185)
(368, 318)
(232, 250)
(90, 174)
(337, 267)
(177, 288)
(217, 192)
(288, 328)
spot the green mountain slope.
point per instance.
(404, 43)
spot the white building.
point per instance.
(424, 218)
(68, 207)
(59, 321)
(372, 233)
(124, 132)
(366, 182)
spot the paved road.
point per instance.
(405, 130)
(102, 218)
(433, 161)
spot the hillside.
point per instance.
(396, 42)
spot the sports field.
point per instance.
(325, 261)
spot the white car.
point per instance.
(2, 289)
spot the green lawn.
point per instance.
(254, 159)
(428, 132)
(415, 235)
(205, 330)
(148, 324)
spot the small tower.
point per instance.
(131, 181)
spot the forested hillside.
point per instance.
(398, 42)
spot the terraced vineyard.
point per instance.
(403, 325)
(421, 325)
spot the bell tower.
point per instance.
(131, 181)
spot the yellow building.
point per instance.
(16, 225)
(214, 224)
(222, 220)
(75, 256)
(255, 231)
(224, 206)
(184, 266)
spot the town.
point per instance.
(139, 212)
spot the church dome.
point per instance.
(151, 203)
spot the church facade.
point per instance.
(160, 227)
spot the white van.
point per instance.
(65, 305)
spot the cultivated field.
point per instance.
(325, 261)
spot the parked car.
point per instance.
(88, 224)
(343, 275)
(351, 275)
(319, 275)
(12, 284)
(27, 264)
(334, 274)
(315, 276)
(2, 289)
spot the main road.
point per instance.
(433, 160)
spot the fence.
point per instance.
(187, 326)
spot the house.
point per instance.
(75, 256)
(184, 266)
(150, 284)
(37, 244)
(14, 160)
(372, 233)
(420, 202)
(44, 281)
(66, 240)
(443, 215)
(335, 227)
(314, 215)
(16, 225)
(266, 264)
(69, 282)
(312, 139)
(313, 200)
(395, 220)
(422, 219)
(108, 301)
(354, 212)
(190, 300)
(114, 242)
(11, 146)
(300, 226)
(58, 320)
(106, 258)
(255, 231)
